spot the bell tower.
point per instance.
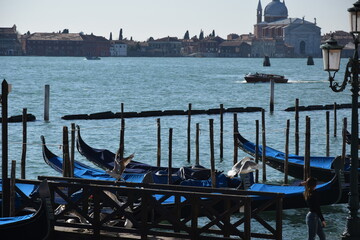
(259, 13)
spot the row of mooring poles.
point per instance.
(212, 155)
(8, 184)
(263, 135)
(306, 173)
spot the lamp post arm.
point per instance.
(335, 86)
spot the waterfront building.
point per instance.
(189, 47)
(274, 28)
(209, 46)
(66, 44)
(165, 47)
(10, 44)
(234, 49)
(54, 44)
(118, 49)
(95, 45)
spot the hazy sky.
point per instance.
(142, 19)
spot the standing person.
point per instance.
(314, 219)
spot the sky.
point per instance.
(141, 19)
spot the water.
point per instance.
(79, 86)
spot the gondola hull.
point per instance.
(33, 226)
(320, 167)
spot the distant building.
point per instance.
(66, 44)
(95, 45)
(209, 46)
(234, 49)
(293, 33)
(165, 47)
(118, 49)
(10, 44)
(54, 44)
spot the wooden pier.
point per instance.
(87, 209)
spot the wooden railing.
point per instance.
(163, 210)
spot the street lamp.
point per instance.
(331, 57)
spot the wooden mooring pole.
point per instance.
(307, 149)
(122, 133)
(236, 150)
(197, 145)
(327, 133)
(212, 153)
(221, 131)
(12, 188)
(343, 150)
(47, 103)
(286, 163)
(72, 150)
(272, 95)
(263, 157)
(297, 126)
(4, 149)
(189, 134)
(66, 157)
(170, 156)
(257, 149)
(158, 162)
(24, 140)
(335, 119)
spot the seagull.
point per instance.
(245, 165)
(119, 166)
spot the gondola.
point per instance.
(321, 167)
(184, 176)
(293, 195)
(81, 170)
(33, 226)
(104, 158)
(332, 192)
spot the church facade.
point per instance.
(277, 35)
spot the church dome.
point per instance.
(275, 10)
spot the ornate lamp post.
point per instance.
(331, 56)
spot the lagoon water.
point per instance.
(79, 86)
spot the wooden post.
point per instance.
(263, 145)
(307, 149)
(236, 150)
(189, 134)
(122, 132)
(343, 150)
(47, 103)
(257, 150)
(327, 133)
(212, 154)
(12, 188)
(297, 126)
(286, 164)
(335, 119)
(4, 149)
(72, 150)
(170, 156)
(66, 161)
(23, 153)
(158, 162)
(197, 143)
(272, 87)
(221, 131)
